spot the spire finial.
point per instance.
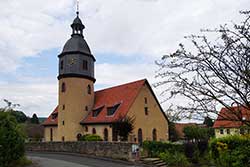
(77, 7)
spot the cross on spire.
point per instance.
(77, 7)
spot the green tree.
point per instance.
(11, 140)
(124, 126)
(208, 122)
(173, 136)
(10, 107)
(34, 119)
(213, 73)
(198, 133)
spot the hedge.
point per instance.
(154, 148)
(232, 151)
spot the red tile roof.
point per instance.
(228, 119)
(51, 122)
(124, 94)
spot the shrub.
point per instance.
(192, 151)
(231, 151)
(90, 137)
(174, 159)
(154, 148)
(21, 162)
(11, 140)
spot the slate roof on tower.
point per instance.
(123, 96)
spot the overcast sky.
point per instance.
(125, 36)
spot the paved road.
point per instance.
(72, 160)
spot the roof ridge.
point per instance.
(129, 83)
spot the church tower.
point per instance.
(76, 84)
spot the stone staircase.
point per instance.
(153, 162)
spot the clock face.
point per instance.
(72, 61)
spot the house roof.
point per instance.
(232, 118)
(51, 122)
(124, 95)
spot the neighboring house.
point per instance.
(81, 110)
(179, 127)
(231, 122)
(34, 132)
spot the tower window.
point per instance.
(63, 107)
(62, 122)
(146, 110)
(61, 65)
(145, 100)
(89, 89)
(84, 65)
(86, 108)
(63, 89)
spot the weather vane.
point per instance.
(77, 7)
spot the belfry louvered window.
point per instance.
(84, 65)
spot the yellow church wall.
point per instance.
(75, 99)
(154, 119)
(99, 130)
(47, 131)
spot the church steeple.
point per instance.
(76, 83)
(77, 26)
(76, 59)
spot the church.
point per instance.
(82, 110)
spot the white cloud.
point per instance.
(115, 74)
(147, 27)
(34, 97)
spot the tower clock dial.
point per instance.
(72, 61)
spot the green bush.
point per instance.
(154, 148)
(233, 151)
(21, 162)
(90, 137)
(174, 159)
(11, 140)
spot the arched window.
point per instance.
(140, 139)
(93, 131)
(51, 134)
(105, 133)
(63, 138)
(86, 129)
(154, 135)
(89, 89)
(63, 89)
(78, 136)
